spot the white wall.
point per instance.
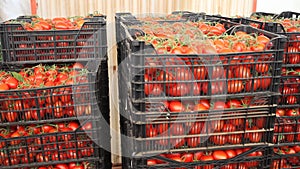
(277, 6)
(10, 9)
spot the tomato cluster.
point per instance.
(287, 126)
(289, 24)
(73, 165)
(45, 92)
(292, 28)
(169, 17)
(45, 143)
(208, 158)
(210, 133)
(59, 23)
(290, 84)
(59, 38)
(206, 104)
(286, 157)
(192, 75)
(199, 38)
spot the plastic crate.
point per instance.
(52, 148)
(91, 164)
(158, 132)
(258, 15)
(141, 58)
(230, 19)
(128, 19)
(84, 98)
(293, 37)
(287, 129)
(22, 46)
(171, 160)
(278, 160)
(289, 89)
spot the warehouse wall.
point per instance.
(10, 9)
(278, 6)
(54, 8)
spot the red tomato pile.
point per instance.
(43, 76)
(211, 156)
(293, 161)
(232, 130)
(205, 104)
(290, 25)
(290, 86)
(44, 103)
(25, 143)
(73, 165)
(170, 17)
(188, 38)
(191, 79)
(287, 126)
(291, 55)
(59, 23)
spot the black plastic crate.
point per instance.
(292, 53)
(128, 19)
(80, 100)
(248, 158)
(230, 19)
(90, 164)
(141, 60)
(287, 128)
(51, 147)
(259, 15)
(159, 131)
(289, 89)
(285, 157)
(22, 46)
(288, 14)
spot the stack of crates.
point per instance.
(286, 138)
(192, 110)
(63, 120)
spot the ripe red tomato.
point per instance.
(219, 139)
(234, 103)
(216, 87)
(262, 68)
(3, 86)
(292, 112)
(176, 106)
(148, 87)
(193, 141)
(265, 82)
(230, 153)
(62, 166)
(255, 137)
(217, 125)
(219, 155)
(242, 72)
(291, 99)
(187, 157)
(180, 89)
(177, 129)
(250, 87)
(151, 131)
(200, 72)
(156, 90)
(196, 128)
(235, 86)
(280, 112)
